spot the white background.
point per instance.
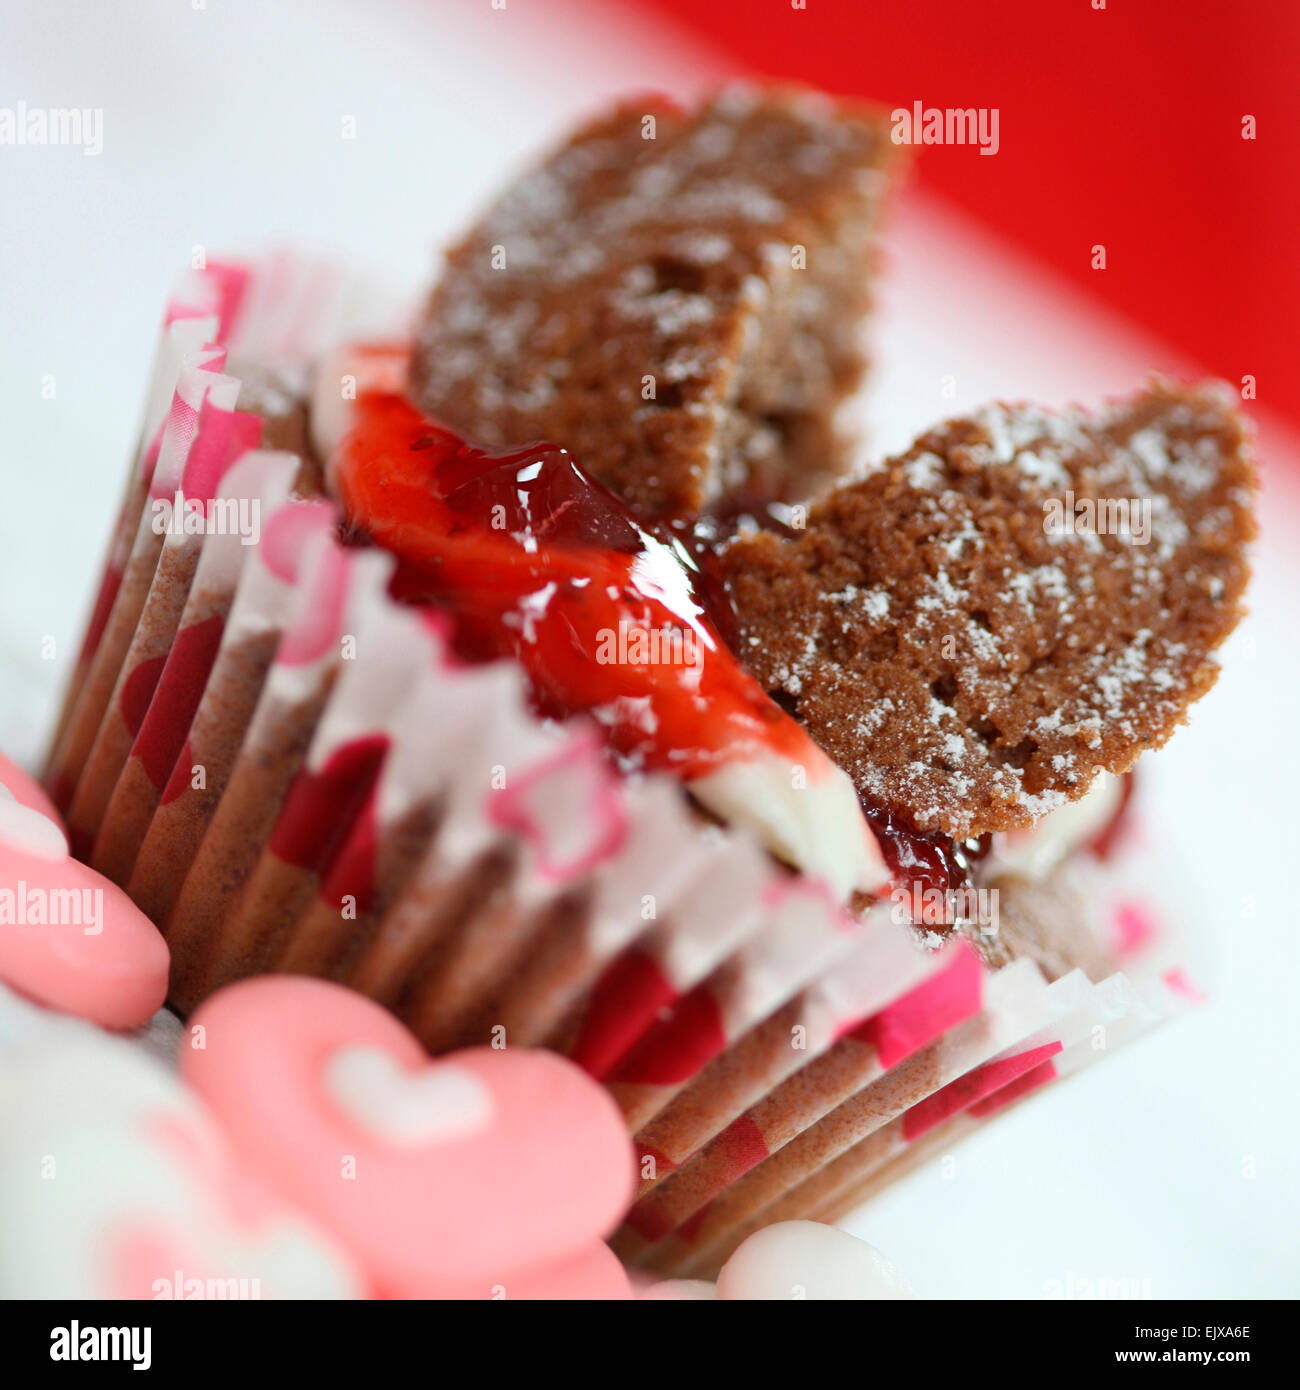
(223, 128)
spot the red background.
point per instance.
(1119, 126)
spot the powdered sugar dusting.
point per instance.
(1002, 662)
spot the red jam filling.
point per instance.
(538, 562)
(932, 860)
(608, 617)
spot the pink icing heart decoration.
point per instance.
(452, 1175)
(72, 940)
(594, 1272)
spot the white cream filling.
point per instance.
(817, 828)
(1035, 852)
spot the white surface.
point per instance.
(1173, 1166)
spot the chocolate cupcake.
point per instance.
(792, 826)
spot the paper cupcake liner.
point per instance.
(898, 1155)
(277, 313)
(194, 317)
(159, 711)
(792, 1069)
(189, 360)
(269, 778)
(839, 1153)
(328, 790)
(289, 771)
(260, 609)
(807, 1127)
(201, 443)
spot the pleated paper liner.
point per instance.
(184, 795)
(194, 318)
(801, 1125)
(177, 654)
(94, 742)
(288, 771)
(895, 1153)
(1031, 1027)
(275, 313)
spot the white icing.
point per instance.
(808, 1260)
(441, 1103)
(25, 829)
(117, 1182)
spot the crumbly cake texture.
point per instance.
(722, 265)
(971, 665)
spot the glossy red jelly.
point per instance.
(539, 562)
(934, 860)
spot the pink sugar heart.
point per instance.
(21, 799)
(72, 940)
(432, 1173)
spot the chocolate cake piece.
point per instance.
(675, 297)
(972, 633)
(279, 396)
